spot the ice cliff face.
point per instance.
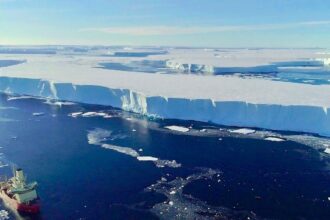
(234, 113)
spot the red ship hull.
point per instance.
(33, 208)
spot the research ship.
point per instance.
(19, 195)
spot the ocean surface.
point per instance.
(97, 162)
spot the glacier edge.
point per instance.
(300, 118)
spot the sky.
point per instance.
(195, 23)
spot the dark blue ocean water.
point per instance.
(221, 175)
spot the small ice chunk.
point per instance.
(107, 116)
(167, 163)
(19, 97)
(243, 131)
(94, 114)
(276, 139)
(75, 114)
(124, 150)
(177, 128)
(147, 158)
(172, 192)
(59, 103)
(171, 203)
(327, 150)
(38, 113)
(88, 114)
(4, 214)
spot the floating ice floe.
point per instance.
(167, 163)
(124, 150)
(177, 128)
(20, 97)
(98, 136)
(182, 206)
(147, 158)
(58, 103)
(7, 120)
(243, 131)
(75, 114)
(38, 113)
(4, 214)
(3, 165)
(90, 114)
(276, 139)
(7, 108)
(327, 150)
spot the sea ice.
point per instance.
(177, 128)
(276, 139)
(147, 158)
(38, 113)
(327, 150)
(243, 131)
(98, 136)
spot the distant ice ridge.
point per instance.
(266, 68)
(314, 119)
(186, 67)
(201, 68)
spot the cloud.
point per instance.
(181, 30)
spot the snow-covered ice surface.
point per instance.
(74, 74)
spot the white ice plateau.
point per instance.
(68, 74)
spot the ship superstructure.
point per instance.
(20, 195)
